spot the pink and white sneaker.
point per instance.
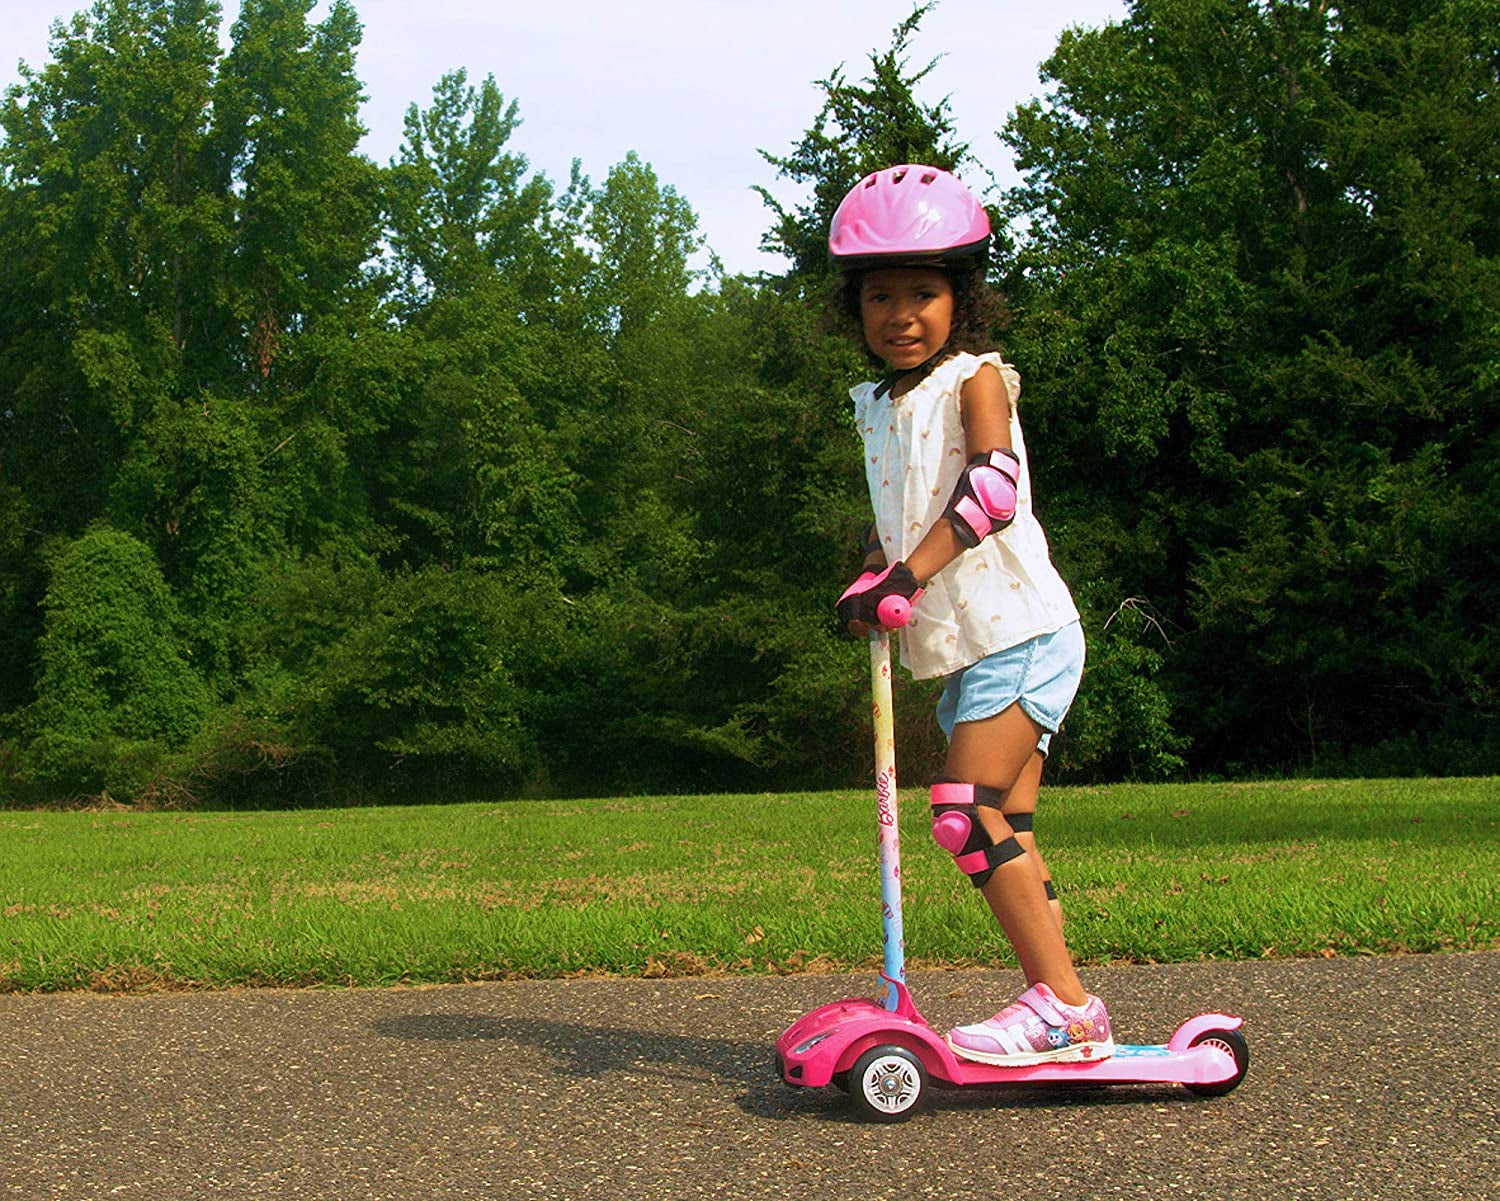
(1038, 1028)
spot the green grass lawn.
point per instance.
(765, 883)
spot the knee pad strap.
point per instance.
(980, 865)
(957, 829)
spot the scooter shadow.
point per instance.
(593, 1052)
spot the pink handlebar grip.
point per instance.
(894, 612)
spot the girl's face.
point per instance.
(907, 313)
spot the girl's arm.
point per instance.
(984, 406)
(873, 563)
(871, 552)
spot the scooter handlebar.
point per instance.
(894, 612)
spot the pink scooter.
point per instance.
(882, 1051)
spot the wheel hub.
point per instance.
(892, 1085)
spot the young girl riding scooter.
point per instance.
(955, 535)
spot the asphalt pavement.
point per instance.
(1370, 1080)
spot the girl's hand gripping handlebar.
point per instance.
(880, 599)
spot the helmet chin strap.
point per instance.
(920, 370)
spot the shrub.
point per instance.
(115, 685)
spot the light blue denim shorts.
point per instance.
(1040, 675)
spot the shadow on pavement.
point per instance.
(592, 1052)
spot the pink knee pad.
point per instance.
(957, 829)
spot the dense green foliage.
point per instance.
(1261, 315)
(325, 479)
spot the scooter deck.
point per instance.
(1132, 1063)
(825, 1042)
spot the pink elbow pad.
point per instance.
(984, 501)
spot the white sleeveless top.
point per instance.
(1002, 592)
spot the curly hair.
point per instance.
(979, 312)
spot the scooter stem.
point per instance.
(890, 839)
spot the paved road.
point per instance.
(1372, 1080)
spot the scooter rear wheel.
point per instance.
(887, 1084)
(1233, 1043)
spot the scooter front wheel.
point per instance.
(887, 1084)
(1233, 1043)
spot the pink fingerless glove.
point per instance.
(881, 599)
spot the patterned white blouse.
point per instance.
(997, 595)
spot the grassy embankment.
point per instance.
(656, 886)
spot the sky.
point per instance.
(695, 87)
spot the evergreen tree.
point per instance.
(862, 127)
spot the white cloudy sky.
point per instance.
(695, 88)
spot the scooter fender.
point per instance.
(827, 1041)
(1182, 1038)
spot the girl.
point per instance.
(955, 536)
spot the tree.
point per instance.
(779, 496)
(860, 128)
(176, 224)
(286, 106)
(109, 214)
(632, 433)
(458, 205)
(115, 221)
(1256, 299)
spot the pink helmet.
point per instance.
(909, 213)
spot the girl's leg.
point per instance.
(996, 752)
(1022, 799)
